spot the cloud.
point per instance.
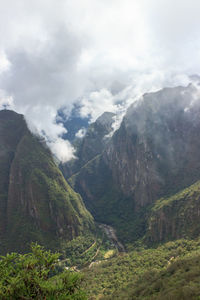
(103, 54)
(63, 149)
(81, 133)
(6, 101)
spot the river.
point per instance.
(111, 234)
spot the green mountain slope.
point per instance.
(176, 216)
(37, 204)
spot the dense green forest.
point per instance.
(168, 271)
(37, 275)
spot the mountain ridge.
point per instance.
(154, 154)
(37, 204)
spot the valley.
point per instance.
(145, 184)
(124, 212)
(100, 150)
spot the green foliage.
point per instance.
(35, 276)
(178, 281)
(141, 273)
(43, 207)
(83, 250)
(176, 216)
(106, 203)
(79, 251)
(186, 193)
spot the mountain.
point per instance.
(154, 154)
(176, 216)
(156, 150)
(92, 144)
(36, 203)
(143, 180)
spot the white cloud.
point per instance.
(6, 101)
(96, 103)
(62, 149)
(103, 53)
(81, 133)
(4, 62)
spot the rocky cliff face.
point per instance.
(11, 130)
(96, 138)
(36, 203)
(91, 145)
(156, 150)
(176, 216)
(154, 153)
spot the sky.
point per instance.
(103, 54)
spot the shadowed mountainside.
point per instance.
(155, 153)
(36, 203)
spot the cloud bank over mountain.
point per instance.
(102, 54)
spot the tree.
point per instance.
(37, 275)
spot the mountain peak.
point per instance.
(6, 114)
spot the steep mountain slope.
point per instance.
(96, 138)
(37, 204)
(155, 153)
(156, 150)
(92, 144)
(176, 216)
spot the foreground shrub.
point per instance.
(36, 275)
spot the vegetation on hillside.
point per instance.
(148, 274)
(178, 281)
(37, 275)
(37, 204)
(106, 203)
(176, 216)
(84, 250)
(187, 192)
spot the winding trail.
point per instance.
(89, 248)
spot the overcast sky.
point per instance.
(54, 53)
